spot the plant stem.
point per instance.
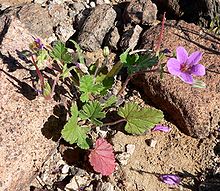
(114, 123)
(161, 35)
(131, 76)
(40, 76)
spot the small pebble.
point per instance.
(152, 143)
(65, 169)
(92, 4)
(123, 158)
(130, 148)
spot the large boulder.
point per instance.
(96, 26)
(195, 111)
(23, 147)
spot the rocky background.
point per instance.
(32, 158)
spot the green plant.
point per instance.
(215, 25)
(94, 85)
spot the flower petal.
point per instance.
(161, 128)
(194, 58)
(181, 54)
(198, 70)
(186, 78)
(173, 66)
(170, 179)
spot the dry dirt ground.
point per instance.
(173, 153)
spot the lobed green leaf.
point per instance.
(60, 53)
(73, 133)
(93, 112)
(139, 119)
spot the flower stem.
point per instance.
(161, 35)
(114, 123)
(40, 76)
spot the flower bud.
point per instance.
(106, 51)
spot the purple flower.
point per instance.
(170, 179)
(161, 128)
(185, 66)
(38, 44)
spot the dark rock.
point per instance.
(141, 12)
(202, 11)
(130, 37)
(114, 38)
(76, 8)
(194, 111)
(96, 26)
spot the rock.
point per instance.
(151, 142)
(105, 186)
(124, 157)
(96, 26)
(92, 4)
(16, 38)
(23, 148)
(100, 2)
(76, 8)
(199, 11)
(130, 149)
(64, 30)
(65, 169)
(141, 12)
(9, 3)
(78, 181)
(37, 20)
(130, 37)
(40, 1)
(42, 21)
(114, 38)
(194, 111)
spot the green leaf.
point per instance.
(60, 53)
(124, 55)
(105, 82)
(198, 84)
(92, 111)
(136, 63)
(79, 52)
(47, 90)
(110, 101)
(73, 133)
(87, 87)
(139, 119)
(66, 71)
(42, 56)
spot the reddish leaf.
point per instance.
(102, 157)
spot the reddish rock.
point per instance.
(13, 2)
(23, 147)
(195, 111)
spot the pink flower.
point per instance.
(185, 66)
(170, 179)
(161, 128)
